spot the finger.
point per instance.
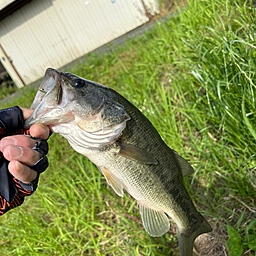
(37, 130)
(26, 112)
(22, 172)
(17, 140)
(40, 131)
(25, 155)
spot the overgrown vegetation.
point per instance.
(193, 76)
(6, 85)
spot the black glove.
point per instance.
(13, 191)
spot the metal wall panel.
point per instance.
(52, 33)
(4, 3)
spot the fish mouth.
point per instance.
(50, 101)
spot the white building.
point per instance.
(36, 34)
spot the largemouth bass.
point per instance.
(106, 128)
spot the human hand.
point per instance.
(22, 157)
(18, 150)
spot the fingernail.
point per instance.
(15, 152)
(19, 167)
(7, 141)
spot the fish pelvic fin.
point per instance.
(113, 181)
(156, 223)
(187, 238)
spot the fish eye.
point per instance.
(78, 83)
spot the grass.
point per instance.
(7, 90)
(193, 76)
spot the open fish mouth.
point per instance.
(49, 81)
(50, 101)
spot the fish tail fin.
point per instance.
(187, 238)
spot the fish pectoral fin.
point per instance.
(113, 181)
(185, 166)
(136, 154)
(156, 223)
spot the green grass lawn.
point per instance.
(194, 77)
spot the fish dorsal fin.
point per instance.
(156, 223)
(113, 181)
(185, 167)
(136, 154)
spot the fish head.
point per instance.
(65, 97)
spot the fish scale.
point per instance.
(106, 128)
